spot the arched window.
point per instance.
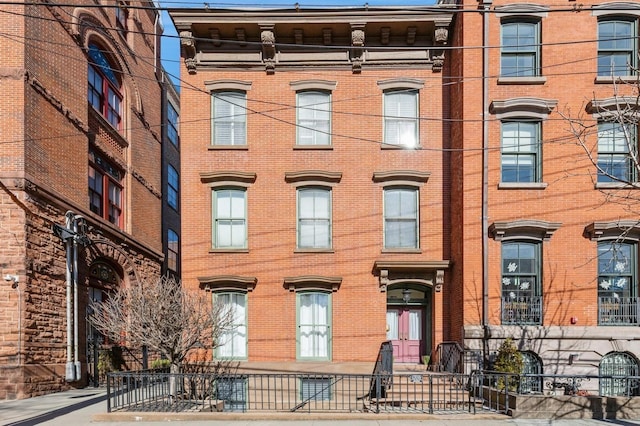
(532, 365)
(104, 87)
(619, 374)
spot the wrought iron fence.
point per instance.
(168, 392)
(618, 310)
(425, 392)
(522, 310)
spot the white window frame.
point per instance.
(520, 151)
(313, 117)
(233, 342)
(319, 219)
(229, 112)
(401, 128)
(403, 216)
(313, 325)
(233, 216)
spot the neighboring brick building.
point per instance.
(550, 241)
(80, 97)
(314, 198)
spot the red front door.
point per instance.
(404, 330)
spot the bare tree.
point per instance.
(614, 131)
(164, 316)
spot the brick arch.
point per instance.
(101, 250)
(88, 27)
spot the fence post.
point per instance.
(108, 393)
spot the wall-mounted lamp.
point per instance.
(12, 278)
(406, 295)
(573, 358)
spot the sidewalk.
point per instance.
(89, 406)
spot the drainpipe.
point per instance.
(69, 370)
(486, 5)
(76, 357)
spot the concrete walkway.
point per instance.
(89, 406)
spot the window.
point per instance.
(401, 218)
(617, 47)
(617, 266)
(229, 118)
(233, 341)
(104, 92)
(532, 365)
(230, 223)
(172, 250)
(233, 391)
(314, 218)
(105, 189)
(623, 366)
(173, 185)
(521, 290)
(401, 118)
(172, 125)
(314, 329)
(520, 55)
(521, 151)
(616, 143)
(122, 16)
(314, 118)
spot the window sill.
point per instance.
(522, 185)
(229, 250)
(228, 147)
(402, 250)
(617, 185)
(399, 147)
(522, 80)
(601, 79)
(313, 250)
(313, 147)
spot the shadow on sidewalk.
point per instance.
(50, 415)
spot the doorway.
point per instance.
(406, 333)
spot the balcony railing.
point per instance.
(618, 310)
(522, 310)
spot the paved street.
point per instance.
(88, 406)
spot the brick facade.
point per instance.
(46, 138)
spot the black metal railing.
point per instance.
(522, 310)
(168, 392)
(449, 357)
(618, 310)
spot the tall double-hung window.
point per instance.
(229, 118)
(314, 217)
(314, 118)
(617, 283)
(105, 189)
(521, 151)
(617, 47)
(520, 53)
(233, 340)
(617, 144)
(521, 286)
(401, 124)
(314, 325)
(401, 217)
(229, 218)
(173, 186)
(104, 87)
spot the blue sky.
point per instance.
(171, 44)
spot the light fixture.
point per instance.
(406, 295)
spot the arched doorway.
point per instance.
(103, 280)
(622, 368)
(409, 322)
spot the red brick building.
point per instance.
(356, 175)
(544, 240)
(315, 181)
(80, 154)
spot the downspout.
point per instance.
(69, 370)
(486, 4)
(78, 368)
